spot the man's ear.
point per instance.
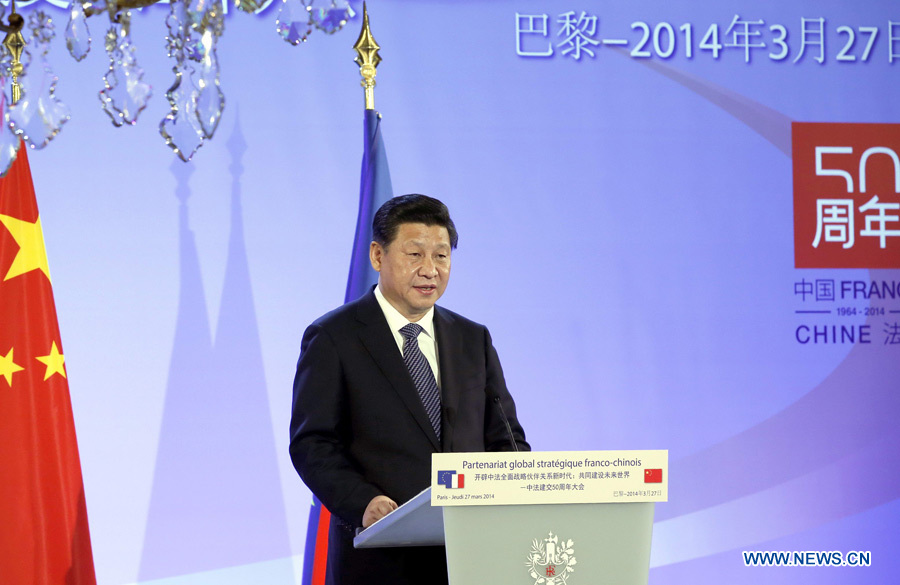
(376, 253)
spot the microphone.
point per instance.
(496, 400)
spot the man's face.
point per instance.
(414, 268)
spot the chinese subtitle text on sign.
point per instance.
(577, 35)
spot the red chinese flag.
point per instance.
(653, 476)
(44, 538)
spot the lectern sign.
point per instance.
(548, 477)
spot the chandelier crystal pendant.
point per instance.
(126, 94)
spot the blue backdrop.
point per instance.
(625, 208)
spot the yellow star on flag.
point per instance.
(30, 238)
(55, 362)
(8, 367)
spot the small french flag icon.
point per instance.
(452, 480)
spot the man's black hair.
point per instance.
(413, 208)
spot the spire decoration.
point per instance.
(11, 68)
(367, 58)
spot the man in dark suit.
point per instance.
(385, 381)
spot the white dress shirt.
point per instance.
(427, 340)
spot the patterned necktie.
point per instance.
(422, 375)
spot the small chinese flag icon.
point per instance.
(653, 476)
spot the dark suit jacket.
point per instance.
(358, 426)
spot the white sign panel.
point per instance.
(548, 477)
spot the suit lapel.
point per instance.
(450, 348)
(376, 336)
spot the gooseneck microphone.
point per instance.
(496, 399)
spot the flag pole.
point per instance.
(375, 189)
(15, 44)
(367, 58)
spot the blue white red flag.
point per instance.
(374, 190)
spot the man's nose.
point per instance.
(428, 268)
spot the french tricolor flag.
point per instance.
(451, 479)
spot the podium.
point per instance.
(503, 526)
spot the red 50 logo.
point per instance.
(846, 195)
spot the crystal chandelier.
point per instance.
(34, 114)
